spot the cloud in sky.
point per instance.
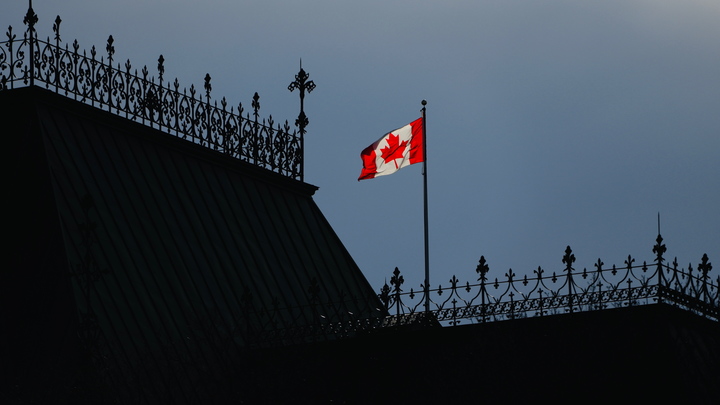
(550, 123)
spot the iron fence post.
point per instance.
(30, 20)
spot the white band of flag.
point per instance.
(395, 150)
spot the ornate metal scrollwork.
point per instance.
(573, 291)
(302, 84)
(122, 90)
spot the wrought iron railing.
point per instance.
(570, 291)
(512, 297)
(189, 114)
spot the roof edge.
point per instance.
(35, 94)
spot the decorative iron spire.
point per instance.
(30, 20)
(302, 84)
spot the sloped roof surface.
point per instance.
(172, 248)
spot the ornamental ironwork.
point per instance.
(566, 291)
(191, 114)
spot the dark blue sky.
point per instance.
(550, 123)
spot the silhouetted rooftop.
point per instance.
(156, 249)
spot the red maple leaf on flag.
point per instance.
(394, 150)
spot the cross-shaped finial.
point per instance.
(302, 84)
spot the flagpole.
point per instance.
(425, 203)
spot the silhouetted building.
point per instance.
(164, 249)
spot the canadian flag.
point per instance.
(395, 150)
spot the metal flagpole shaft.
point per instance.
(425, 201)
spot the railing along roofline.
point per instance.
(191, 114)
(510, 297)
(566, 291)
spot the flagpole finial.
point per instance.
(424, 103)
